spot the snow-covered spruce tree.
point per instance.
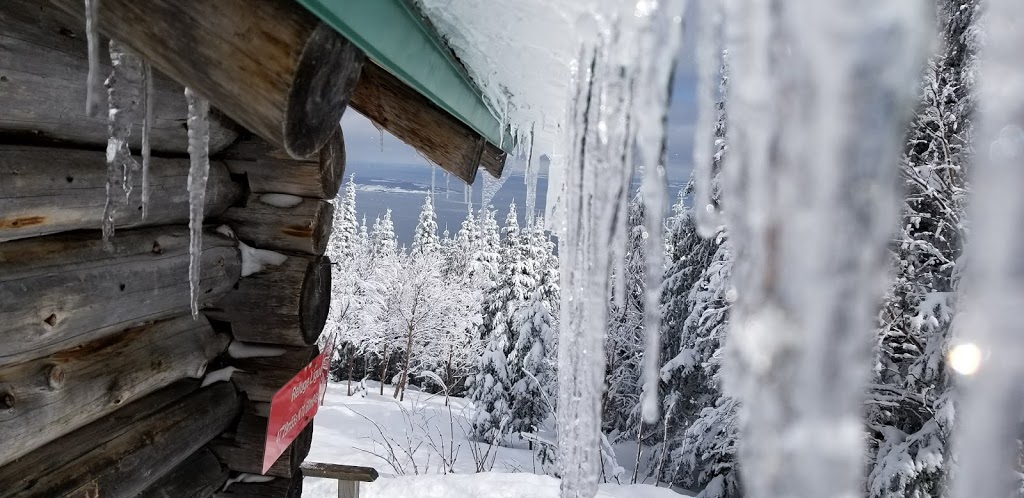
(624, 344)
(515, 281)
(425, 239)
(535, 326)
(383, 241)
(345, 229)
(911, 409)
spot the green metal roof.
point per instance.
(395, 36)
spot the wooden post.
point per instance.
(241, 450)
(261, 378)
(417, 121)
(51, 396)
(271, 170)
(199, 476)
(285, 304)
(122, 455)
(43, 72)
(282, 223)
(60, 291)
(47, 190)
(270, 65)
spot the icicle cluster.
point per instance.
(621, 83)
(123, 93)
(990, 425)
(198, 171)
(819, 94)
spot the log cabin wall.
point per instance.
(102, 365)
(106, 379)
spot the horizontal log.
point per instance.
(199, 476)
(282, 223)
(415, 120)
(271, 170)
(241, 450)
(139, 454)
(493, 160)
(48, 190)
(285, 304)
(339, 472)
(43, 86)
(270, 65)
(52, 396)
(279, 487)
(61, 291)
(261, 378)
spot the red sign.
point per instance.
(293, 408)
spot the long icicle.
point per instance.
(147, 128)
(989, 429)
(709, 63)
(92, 36)
(819, 94)
(123, 100)
(198, 171)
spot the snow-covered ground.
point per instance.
(351, 429)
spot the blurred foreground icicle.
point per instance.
(123, 93)
(991, 422)
(198, 171)
(819, 94)
(617, 114)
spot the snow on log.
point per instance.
(123, 454)
(271, 170)
(304, 227)
(49, 190)
(64, 290)
(241, 450)
(285, 304)
(43, 91)
(199, 476)
(270, 65)
(415, 120)
(261, 378)
(278, 487)
(54, 395)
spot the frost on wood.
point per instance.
(990, 427)
(198, 171)
(92, 97)
(123, 93)
(222, 375)
(240, 350)
(256, 260)
(811, 203)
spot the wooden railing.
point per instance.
(348, 476)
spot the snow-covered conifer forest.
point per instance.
(478, 314)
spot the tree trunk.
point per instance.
(122, 455)
(415, 120)
(199, 476)
(45, 66)
(400, 388)
(285, 304)
(61, 291)
(384, 370)
(304, 227)
(350, 358)
(270, 170)
(270, 65)
(52, 396)
(49, 190)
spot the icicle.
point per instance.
(531, 177)
(992, 403)
(616, 114)
(818, 96)
(92, 96)
(709, 63)
(123, 100)
(198, 171)
(147, 128)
